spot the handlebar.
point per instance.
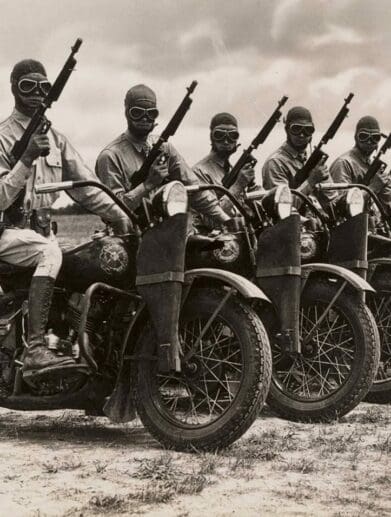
(70, 185)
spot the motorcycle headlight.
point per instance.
(171, 199)
(308, 246)
(283, 200)
(355, 201)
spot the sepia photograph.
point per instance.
(195, 258)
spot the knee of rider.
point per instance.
(52, 257)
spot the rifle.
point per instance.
(38, 121)
(246, 156)
(318, 156)
(377, 163)
(141, 175)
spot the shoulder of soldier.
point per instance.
(275, 158)
(114, 146)
(201, 163)
(6, 130)
(343, 158)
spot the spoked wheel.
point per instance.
(340, 353)
(225, 377)
(380, 305)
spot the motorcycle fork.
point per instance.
(191, 353)
(323, 315)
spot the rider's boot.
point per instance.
(38, 357)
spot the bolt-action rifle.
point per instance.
(246, 156)
(377, 164)
(318, 156)
(141, 175)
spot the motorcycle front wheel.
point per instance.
(380, 305)
(338, 361)
(224, 381)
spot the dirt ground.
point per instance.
(64, 463)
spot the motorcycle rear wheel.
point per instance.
(336, 368)
(223, 383)
(380, 305)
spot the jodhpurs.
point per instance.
(26, 248)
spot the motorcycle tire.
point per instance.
(223, 383)
(380, 305)
(335, 369)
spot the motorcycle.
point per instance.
(182, 348)
(323, 337)
(366, 234)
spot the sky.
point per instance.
(245, 56)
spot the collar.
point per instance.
(21, 118)
(139, 145)
(214, 157)
(291, 151)
(366, 160)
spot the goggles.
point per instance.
(298, 129)
(28, 86)
(367, 137)
(222, 134)
(137, 113)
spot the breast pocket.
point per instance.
(52, 166)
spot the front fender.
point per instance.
(246, 288)
(352, 278)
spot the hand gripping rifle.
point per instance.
(246, 156)
(377, 164)
(39, 120)
(318, 156)
(141, 175)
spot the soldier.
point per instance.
(120, 159)
(224, 137)
(281, 167)
(352, 166)
(20, 245)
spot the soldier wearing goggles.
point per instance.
(120, 159)
(282, 166)
(352, 166)
(224, 136)
(48, 157)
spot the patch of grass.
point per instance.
(303, 466)
(372, 415)
(51, 467)
(383, 445)
(161, 468)
(168, 479)
(100, 466)
(108, 503)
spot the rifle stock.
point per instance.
(246, 156)
(318, 156)
(141, 175)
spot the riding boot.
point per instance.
(38, 356)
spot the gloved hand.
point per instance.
(246, 176)
(318, 174)
(157, 173)
(38, 145)
(379, 181)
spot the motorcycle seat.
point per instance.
(7, 269)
